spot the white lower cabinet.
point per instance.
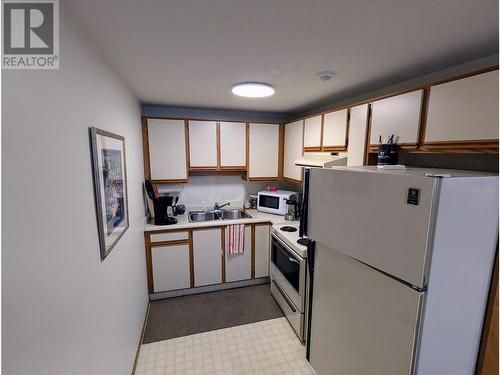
(170, 263)
(170, 267)
(239, 266)
(207, 256)
(262, 250)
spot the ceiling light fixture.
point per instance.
(253, 90)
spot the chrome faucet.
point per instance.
(217, 207)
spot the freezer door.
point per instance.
(363, 322)
(375, 218)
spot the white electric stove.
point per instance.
(289, 274)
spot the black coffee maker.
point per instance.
(163, 205)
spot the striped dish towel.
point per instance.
(235, 238)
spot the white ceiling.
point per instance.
(190, 53)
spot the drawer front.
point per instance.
(169, 236)
(296, 318)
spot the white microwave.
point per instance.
(274, 202)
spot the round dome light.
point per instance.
(253, 90)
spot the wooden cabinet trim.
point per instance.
(223, 253)
(240, 168)
(334, 148)
(465, 75)
(291, 180)
(217, 143)
(263, 179)
(149, 262)
(312, 149)
(169, 243)
(173, 181)
(247, 145)
(145, 148)
(191, 259)
(252, 267)
(423, 115)
(165, 231)
(186, 138)
(205, 119)
(322, 130)
(281, 151)
(368, 133)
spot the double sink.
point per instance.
(210, 215)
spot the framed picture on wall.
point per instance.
(110, 187)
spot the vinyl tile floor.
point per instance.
(269, 347)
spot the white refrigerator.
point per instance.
(400, 266)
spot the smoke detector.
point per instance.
(325, 75)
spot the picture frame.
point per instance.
(109, 173)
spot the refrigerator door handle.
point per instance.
(311, 248)
(305, 205)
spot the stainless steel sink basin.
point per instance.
(199, 216)
(196, 216)
(235, 214)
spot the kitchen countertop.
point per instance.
(183, 221)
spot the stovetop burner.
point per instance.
(303, 241)
(288, 228)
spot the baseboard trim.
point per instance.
(141, 339)
(208, 288)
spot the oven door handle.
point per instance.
(285, 297)
(293, 260)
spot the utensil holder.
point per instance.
(387, 154)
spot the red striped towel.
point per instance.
(235, 239)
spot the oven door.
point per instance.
(289, 271)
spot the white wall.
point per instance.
(63, 311)
(204, 191)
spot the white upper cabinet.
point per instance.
(335, 129)
(294, 133)
(358, 125)
(202, 144)
(167, 149)
(263, 151)
(398, 115)
(312, 131)
(464, 109)
(233, 136)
